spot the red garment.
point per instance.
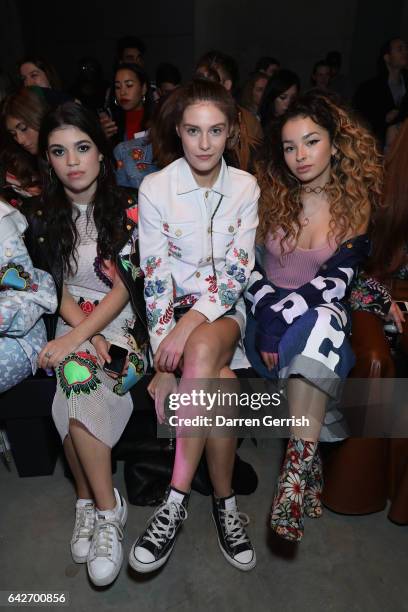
(134, 120)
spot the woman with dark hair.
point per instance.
(131, 106)
(320, 177)
(35, 70)
(83, 230)
(198, 218)
(281, 90)
(22, 114)
(253, 91)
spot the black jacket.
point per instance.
(128, 265)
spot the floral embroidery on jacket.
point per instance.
(242, 256)
(151, 264)
(174, 249)
(228, 294)
(137, 154)
(368, 294)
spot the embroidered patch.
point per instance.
(227, 293)
(137, 154)
(242, 256)
(174, 250)
(135, 372)
(140, 166)
(78, 373)
(119, 164)
(236, 273)
(151, 264)
(87, 306)
(13, 276)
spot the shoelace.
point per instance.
(234, 523)
(103, 537)
(159, 531)
(85, 522)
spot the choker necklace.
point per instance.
(317, 190)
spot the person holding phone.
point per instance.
(198, 219)
(83, 230)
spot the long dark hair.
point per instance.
(277, 85)
(118, 114)
(167, 145)
(108, 203)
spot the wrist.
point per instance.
(95, 335)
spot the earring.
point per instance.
(144, 98)
(115, 101)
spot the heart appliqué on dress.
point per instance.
(14, 277)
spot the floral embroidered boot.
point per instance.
(314, 488)
(288, 504)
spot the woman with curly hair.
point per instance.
(83, 231)
(320, 177)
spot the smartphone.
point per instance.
(104, 111)
(118, 356)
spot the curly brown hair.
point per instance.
(355, 184)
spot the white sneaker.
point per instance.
(85, 517)
(106, 553)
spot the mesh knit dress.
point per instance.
(84, 391)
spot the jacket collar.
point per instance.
(187, 183)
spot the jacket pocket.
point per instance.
(223, 236)
(182, 241)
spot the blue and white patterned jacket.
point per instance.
(333, 279)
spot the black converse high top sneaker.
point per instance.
(232, 538)
(152, 549)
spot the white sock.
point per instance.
(176, 496)
(81, 502)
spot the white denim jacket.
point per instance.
(185, 233)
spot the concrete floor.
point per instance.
(343, 564)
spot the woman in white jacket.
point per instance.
(197, 222)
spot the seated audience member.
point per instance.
(379, 99)
(36, 71)
(193, 291)
(320, 177)
(253, 91)
(321, 74)
(89, 86)
(267, 65)
(241, 150)
(130, 50)
(131, 107)
(168, 78)
(22, 114)
(83, 231)
(26, 294)
(279, 93)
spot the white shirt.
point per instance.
(176, 251)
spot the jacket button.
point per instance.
(209, 229)
(128, 227)
(39, 212)
(231, 228)
(178, 233)
(8, 253)
(41, 239)
(198, 274)
(206, 194)
(209, 258)
(130, 201)
(349, 245)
